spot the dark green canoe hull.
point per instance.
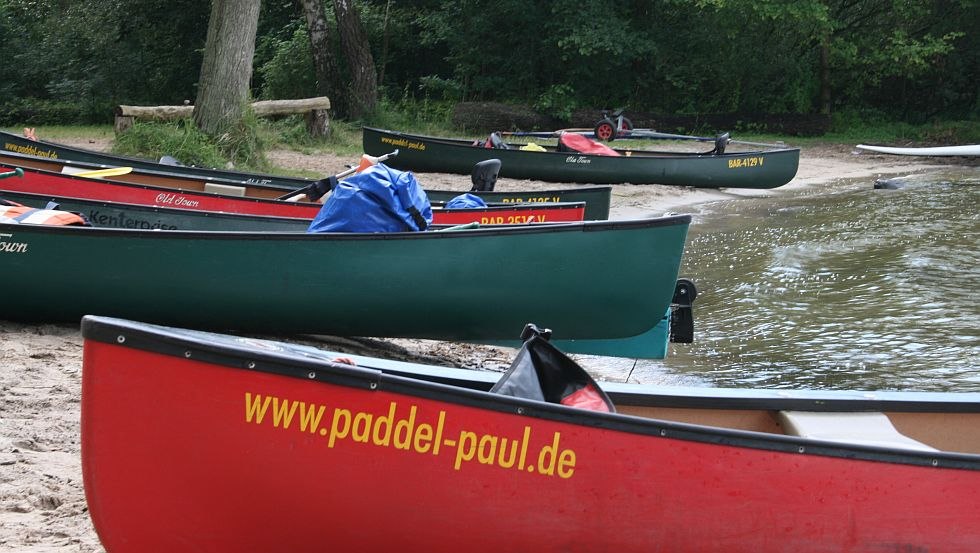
(105, 214)
(756, 169)
(588, 281)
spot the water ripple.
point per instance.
(856, 289)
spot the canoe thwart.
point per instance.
(862, 428)
(226, 189)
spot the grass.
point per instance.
(55, 132)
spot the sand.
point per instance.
(42, 500)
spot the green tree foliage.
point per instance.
(909, 59)
(100, 53)
(283, 63)
(703, 56)
(288, 71)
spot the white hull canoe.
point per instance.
(966, 150)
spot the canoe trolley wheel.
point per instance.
(685, 291)
(605, 130)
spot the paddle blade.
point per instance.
(100, 173)
(17, 172)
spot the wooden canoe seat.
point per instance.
(224, 189)
(852, 428)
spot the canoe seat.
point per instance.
(863, 428)
(224, 189)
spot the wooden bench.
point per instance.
(863, 428)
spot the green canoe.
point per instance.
(596, 198)
(755, 169)
(598, 284)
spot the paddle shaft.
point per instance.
(338, 176)
(638, 133)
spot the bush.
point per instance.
(34, 111)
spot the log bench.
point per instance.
(315, 110)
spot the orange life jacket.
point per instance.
(33, 216)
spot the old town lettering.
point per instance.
(176, 200)
(8, 246)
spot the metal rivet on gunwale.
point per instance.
(120, 338)
(251, 364)
(935, 462)
(802, 449)
(187, 354)
(311, 374)
(520, 410)
(663, 431)
(373, 385)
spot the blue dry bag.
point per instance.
(466, 201)
(380, 199)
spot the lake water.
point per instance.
(835, 287)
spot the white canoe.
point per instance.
(967, 150)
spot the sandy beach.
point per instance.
(42, 500)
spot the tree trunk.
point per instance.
(328, 81)
(354, 43)
(223, 89)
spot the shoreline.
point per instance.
(42, 501)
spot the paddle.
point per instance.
(99, 173)
(642, 133)
(17, 172)
(639, 133)
(316, 189)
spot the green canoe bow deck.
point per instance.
(605, 280)
(755, 169)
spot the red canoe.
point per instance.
(196, 441)
(44, 176)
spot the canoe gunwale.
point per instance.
(164, 341)
(572, 226)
